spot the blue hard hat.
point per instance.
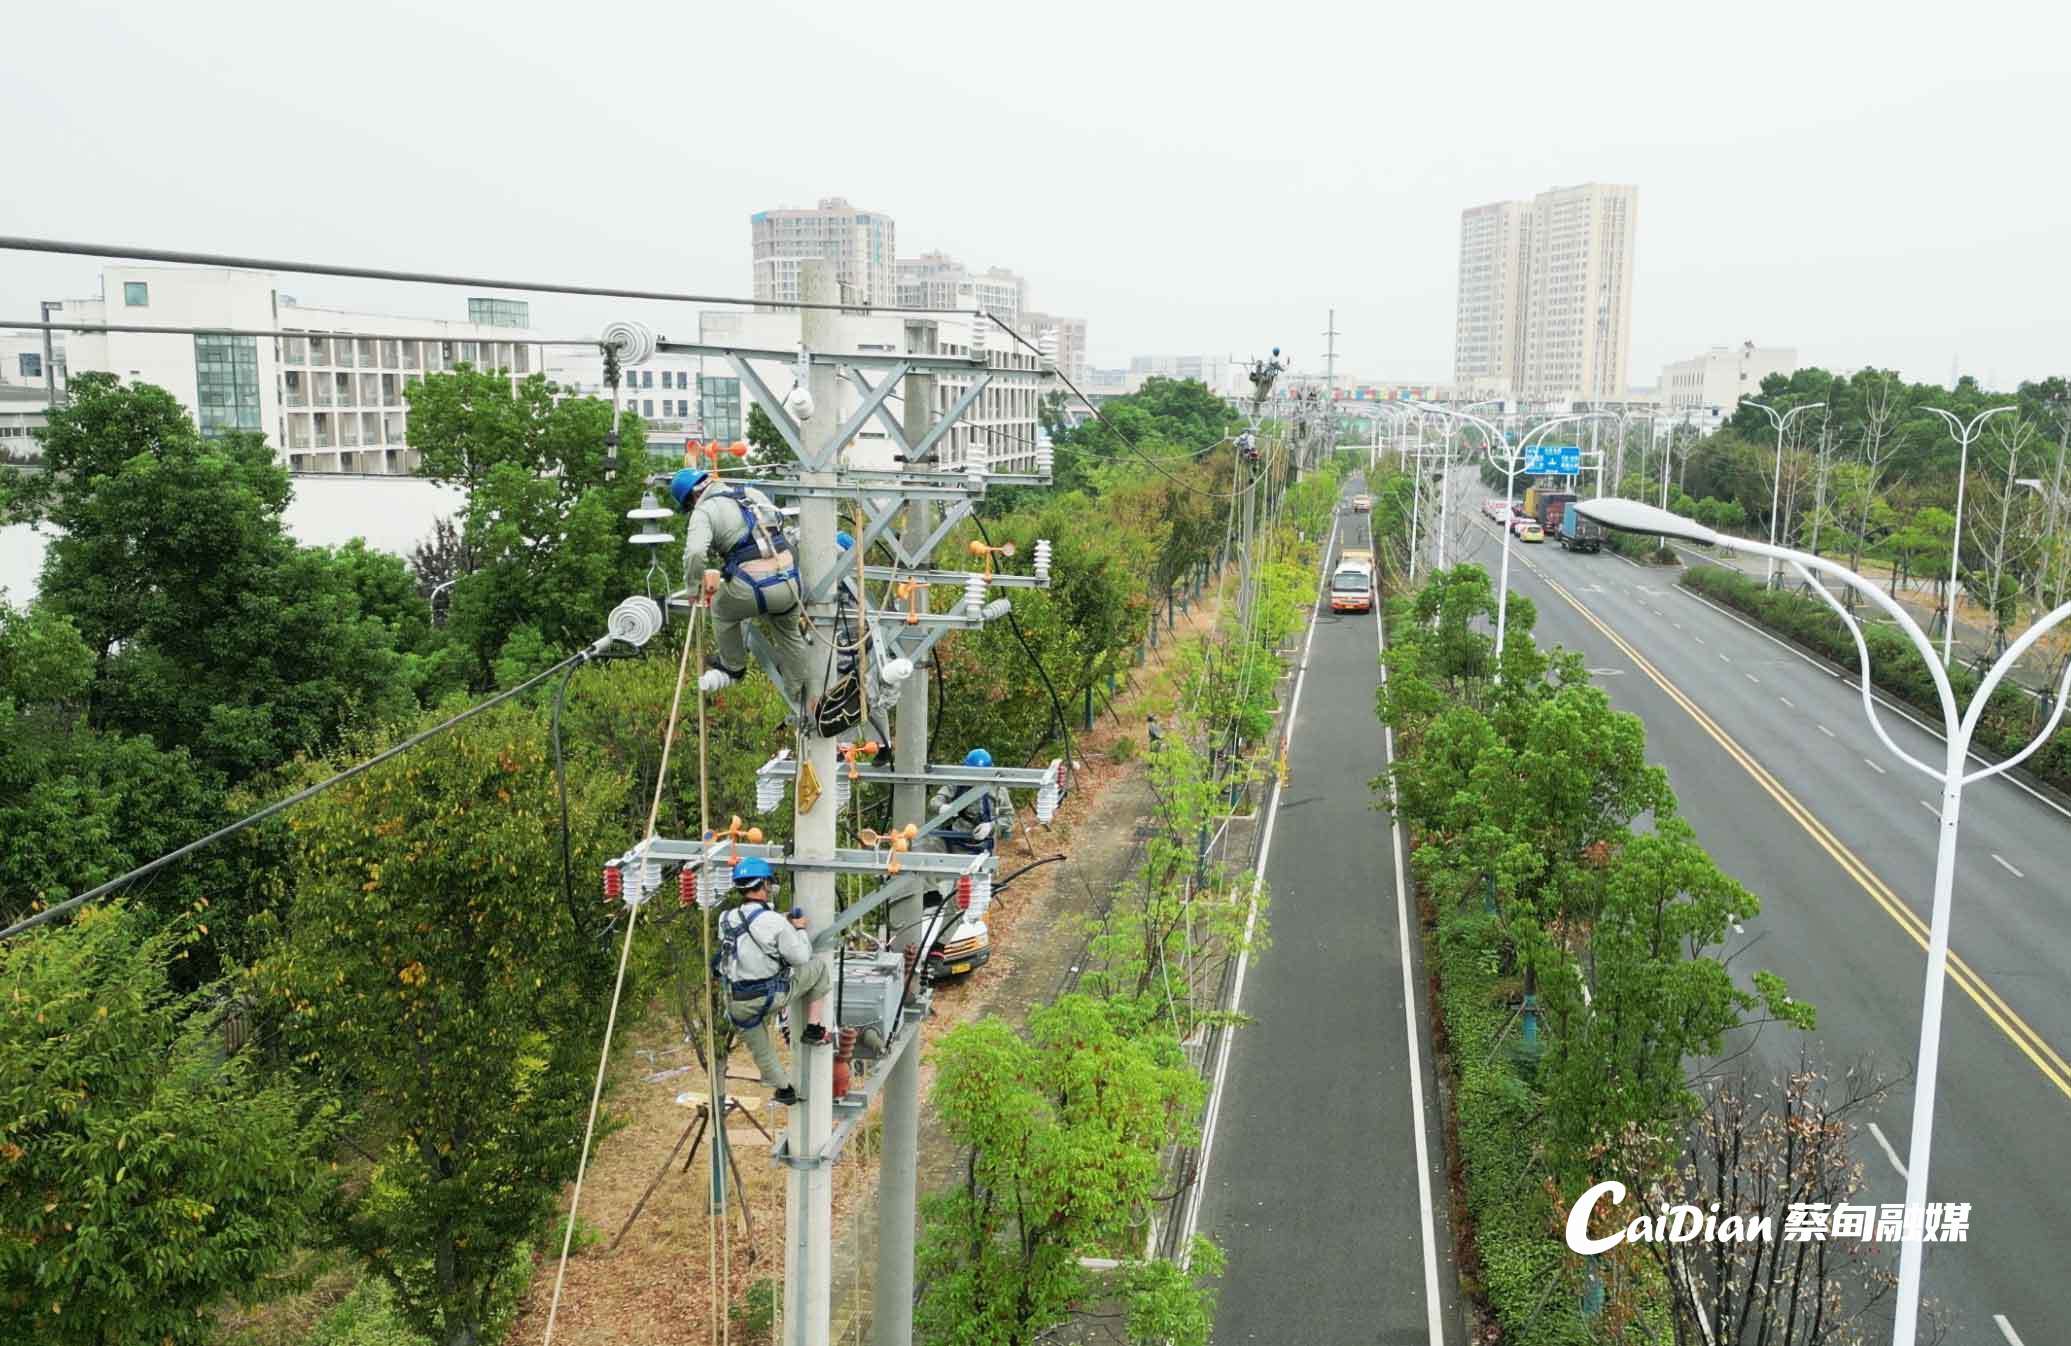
(977, 757)
(685, 484)
(843, 540)
(750, 871)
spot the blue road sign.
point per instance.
(1564, 459)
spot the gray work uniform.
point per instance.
(769, 948)
(989, 805)
(756, 588)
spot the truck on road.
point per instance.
(1577, 533)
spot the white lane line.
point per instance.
(1788, 702)
(1677, 625)
(1409, 1015)
(1699, 639)
(1930, 808)
(1874, 767)
(1752, 678)
(1725, 658)
(1889, 1153)
(1824, 730)
(2013, 1338)
(1192, 1217)
(2007, 867)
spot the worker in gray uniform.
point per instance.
(756, 580)
(985, 818)
(768, 965)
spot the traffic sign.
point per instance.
(1563, 459)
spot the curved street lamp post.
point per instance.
(1966, 435)
(1959, 726)
(1782, 422)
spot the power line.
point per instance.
(51, 913)
(11, 243)
(321, 333)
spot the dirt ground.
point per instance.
(656, 1285)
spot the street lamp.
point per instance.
(1776, 489)
(1958, 727)
(1965, 436)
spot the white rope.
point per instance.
(618, 987)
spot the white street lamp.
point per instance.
(1776, 488)
(1966, 435)
(1958, 727)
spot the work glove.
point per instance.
(981, 831)
(716, 680)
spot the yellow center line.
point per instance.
(2018, 1031)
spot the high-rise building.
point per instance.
(1722, 376)
(862, 244)
(937, 280)
(1062, 341)
(328, 394)
(1545, 295)
(1488, 333)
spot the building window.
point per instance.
(647, 407)
(647, 378)
(226, 381)
(136, 294)
(31, 365)
(720, 401)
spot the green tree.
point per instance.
(427, 975)
(766, 446)
(1064, 1129)
(210, 630)
(144, 1176)
(544, 527)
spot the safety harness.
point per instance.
(766, 989)
(763, 541)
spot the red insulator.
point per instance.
(963, 892)
(614, 883)
(686, 886)
(846, 1045)
(912, 953)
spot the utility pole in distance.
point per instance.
(891, 1318)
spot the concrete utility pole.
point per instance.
(1330, 381)
(891, 1316)
(809, 1209)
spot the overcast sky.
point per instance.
(1891, 189)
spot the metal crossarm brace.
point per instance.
(846, 860)
(784, 486)
(1014, 778)
(953, 364)
(764, 398)
(954, 578)
(855, 1107)
(884, 413)
(872, 402)
(921, 451)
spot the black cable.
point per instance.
(1033, 864)
(50, 913)
(1056, 704)
(561, 789)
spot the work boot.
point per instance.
(786, 1095)
(815, 1034)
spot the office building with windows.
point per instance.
(1061, 340)
(1545, 295)
(937, 280)
(328, 393)
(1722, 376)
(862, 244)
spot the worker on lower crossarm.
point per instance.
(984, 818)
(768, 965)
(757, 579)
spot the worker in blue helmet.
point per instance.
(768, 965)
(756, 579)
(984, 813)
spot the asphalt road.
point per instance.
(1312, 1185)
(1808, 809)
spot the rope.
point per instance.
(618, 986)
(717, 1324)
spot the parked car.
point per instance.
(1528, 531)
(1516, 523)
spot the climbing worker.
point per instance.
(984, 818)
(757, 579)
(769, 966)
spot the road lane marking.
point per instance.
(1930, 808)
(2023, 1035)
(1889, 1153)
(2007, 867)
(1699, 639)
(1873, 766)
(2006, 1330)
(1788, 702)
(1409, 1014)
(1752, 678)
(1824, 730)
(1725, 658)
(1677, 625)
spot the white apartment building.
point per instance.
(1722, 376)
(1488, 331)
(328, 394)
(21, 358)
(937, 280)
(1545, 295)
(862, 244)
(664, 392)
(1224, 376)
(1062, 341)
(998, 432)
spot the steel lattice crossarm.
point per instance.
(1045, 781)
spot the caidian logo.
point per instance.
(1679, 1224)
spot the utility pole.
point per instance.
(1330, 382)
(809, 1209)
(891, 1318)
